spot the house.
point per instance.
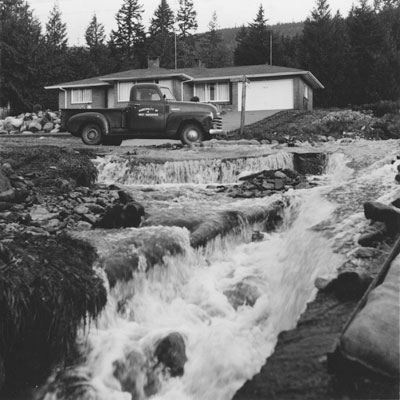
(269, 87)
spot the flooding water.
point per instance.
(229, 300)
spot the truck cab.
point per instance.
(152, 112)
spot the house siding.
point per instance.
(300, 102)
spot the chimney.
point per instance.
(153, 62)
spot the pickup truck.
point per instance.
(152, 112)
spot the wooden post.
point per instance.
(243, 115)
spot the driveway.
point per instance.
(231, 120)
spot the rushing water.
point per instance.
(228, 301)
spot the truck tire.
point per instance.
(91, 135)
(191, 133)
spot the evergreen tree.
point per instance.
(324, 50)
(253, 42)
(161, 31)
(367, 44)
(56, 31)
(94, 34)
(213, 51)
(20, 55)
(187, 25)
(128, 41)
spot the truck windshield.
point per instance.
(167, 93)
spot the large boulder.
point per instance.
(127, 215)
(381, 212)
(171, 352)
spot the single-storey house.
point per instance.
(268, 87)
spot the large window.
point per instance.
(124, 90)
(81, 96)
(212, 92)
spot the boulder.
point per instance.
(375, 234)
(122, 216)
(34, 126)
(171, 352)
(381, 212)
(48, 126)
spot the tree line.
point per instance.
(357, 58)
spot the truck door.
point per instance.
(147, 111)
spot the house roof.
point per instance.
(194, 74)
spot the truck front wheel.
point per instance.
(191, 133)
(91, 134)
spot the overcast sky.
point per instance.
(230, 13)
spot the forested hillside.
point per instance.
(356, 57)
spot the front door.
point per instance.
(147, 112)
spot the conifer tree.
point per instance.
(161, 35)
(253, 42)
(56, 31)
(20, 56)
(213, 51)
(128, 41)
(94, 34)
(187, 25)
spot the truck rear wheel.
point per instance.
(191, 133)
(91, 134)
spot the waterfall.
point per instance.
(128, 171)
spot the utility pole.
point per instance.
(176, 59)
(243, 115)
(270, 47)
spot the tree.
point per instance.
(128, 41)
(187, 25)
(213, 51)
(94, 34)
(20, 55)
(375, 57)
(161, 39)
(325, 51)
(56, 31)
(253, 42)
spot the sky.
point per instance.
(77, 14)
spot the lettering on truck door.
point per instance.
(147, 112)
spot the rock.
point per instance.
(48, 126)
(381, 212)
(89, 218)
(257, 236)
(4, 182)
(55, 130)
(122, 216)
(131, 373)
(81, 210)
(95, 208)
(3, 132)
(34, 126)
(125, 197)
(280, 175)
(397, 178)
(120, 266)
(83, 226)
(40, 213)
(8, 195)
(279, 184)
(171, 352)
(375, 234)
(242, 294)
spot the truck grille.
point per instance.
(216, 123)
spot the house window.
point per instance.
(306, 92)
(124, 90)
(213, 92)
(81, 96)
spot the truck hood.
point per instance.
(191, 106)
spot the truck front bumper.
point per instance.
(217, 132)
